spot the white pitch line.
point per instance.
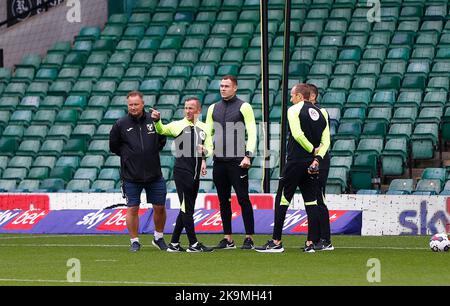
(16, 280)
(124, 246)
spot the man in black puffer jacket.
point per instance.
(134, 139)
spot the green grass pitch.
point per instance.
(105, 260)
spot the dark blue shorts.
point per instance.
(156, 192)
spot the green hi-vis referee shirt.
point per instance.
(309, 129)
(188, 136)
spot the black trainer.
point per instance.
(309, 248)
(175, 248)
(248, 244)
(270, 247)
(198, 247)
(324, 245)
(135, 247)
(160, 244)
(224, 244)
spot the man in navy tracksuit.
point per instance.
(134, 139)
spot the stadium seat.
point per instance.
(394, 157)
(400, 187)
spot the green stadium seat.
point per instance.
(8, 103)
(354, 115)
(98, 102)
(75, 60)
(8, 146)
(53, 61)
(28, 185)
(20, 162)
(112, 162)
(52, 147)
(400, 187)
(25, 75)
(337, 180)
(89, 174)
(72, 162)
(44, 117)
(60, 88)
(15, 90)
(7, 185)
(349, 130)
(14, 131)
(38, 89)
(88, 33)
(430, 115)
(78, 185)
(343, 147)
(370, 145)
(424, 141)
(17, 174)
(428, 186)
(36, 132)
(29, 103)
(435, 174)
(405, 115)
(103, 131)
(400, 130)
(438, 83)
(39, 173)
(82, 46)
(60, 131)
(21, 117)
(111, 174)
(97, 60)
(44, 161)
(93, 116)
(52, 185)
(5, 75)
(64, 173)
(409, 99)
(363, 171)
(112, 115)
(84, 131)
(102, 186)
(99, 147)
(75, 147)
(120, 59)
(67, 117)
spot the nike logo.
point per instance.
(129, 129)
(243, 176)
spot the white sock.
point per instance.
(158, 235)
(134, 240)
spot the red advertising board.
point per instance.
(259, 201)
(24, 202)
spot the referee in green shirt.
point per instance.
(309, 140)
(192, 145)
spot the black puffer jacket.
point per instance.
(138, 145)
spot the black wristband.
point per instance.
(248, 154)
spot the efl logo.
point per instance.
(27, 220)
(214, 223)
(117, 221)
(302, 227)
(264, 201)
